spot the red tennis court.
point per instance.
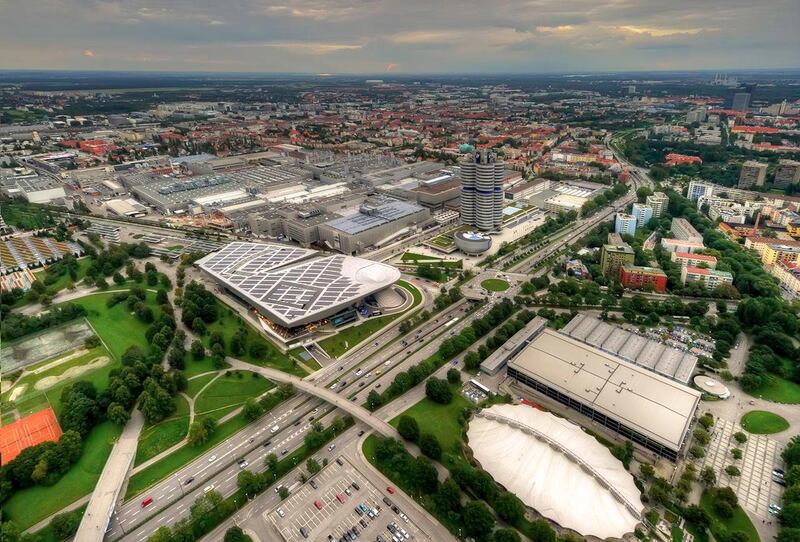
(29, 431)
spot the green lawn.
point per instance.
(196, 384)
(29, 506)
(439, 420)
(117, 327)
(228, 322)
(779, 390)
(495, 285)
(196, 367)
(348, 338)
(163, 468)
(739, 521)
(762, 422)
(231, 391)
(412, 257)
(159, 437)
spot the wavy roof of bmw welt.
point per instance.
(290, 285)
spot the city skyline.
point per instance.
(343, 37)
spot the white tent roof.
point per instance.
(548, 476)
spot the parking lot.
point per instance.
(328, 512)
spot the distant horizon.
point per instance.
(413, 37)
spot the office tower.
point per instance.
(625, 224)
(643, 213)
(482, 191)
(659, 202)
(741, 101)
(696, 115)
(753, 174)
(787, 173)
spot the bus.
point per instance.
(451, 322)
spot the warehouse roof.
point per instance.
(656, 407)
(372, 216)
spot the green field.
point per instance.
(64, 280)
(719, 525)
(495, 285)
(117, 327)
(762, 422)
(439, 420)
(32, 400)
(411, 257)
(348, 338)
(159, 437)
(197, 367)
(231, 391)
(29, 506)
(197, 383)
(228, 322)
(778, 390)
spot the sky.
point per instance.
(399, 36)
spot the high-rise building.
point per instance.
(612, 257)
(643, 213)
(787, 173)
(625, 224)
(696, 115)
(741, 101)
(753, 174)
(659, 202)
(683, 230)
(482, 191)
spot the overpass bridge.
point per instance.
(342, 402)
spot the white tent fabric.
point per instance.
(547, 479)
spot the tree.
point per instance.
(448, 497)
(429, 445)
(200, 432)
(438, 391)
(509, 507)
(506, 535)
(708, 477)
(408, 428)
(732, 470)
(647, 470)
(248, 482)
(424, 475)
(283, 492)
(198, 350)
(453, 376)
(252, 410)
(478, 520)
(236, 534)
(117, 414)
(313, 466)
(65, 525)
(740, 437)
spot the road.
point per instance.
(104, 497)
(173, 496)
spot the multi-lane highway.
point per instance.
(173, 496)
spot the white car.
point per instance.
(212, 459)
(281, 513)
(358, 372)
(388, 363)
(331, 447)
(369, 375)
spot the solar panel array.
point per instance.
(276, 279)
(644, 352)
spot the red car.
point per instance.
(147, 501)
(318, 504)
(340, 497)
(390, 489)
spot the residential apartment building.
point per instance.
(640, 277)
(788, 275)
(753, 174)
(643, 214)
(683, 230)
(787, 173)
(679, 245)
(711, 278)
(658, 201)
(612, 257)
(775, 253)
(694, 260)
(625, 224)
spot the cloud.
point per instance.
(660, 32)
(555, 29)
(306, 47)
(88, 53)
(390, 67)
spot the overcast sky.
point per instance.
(399, 36)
